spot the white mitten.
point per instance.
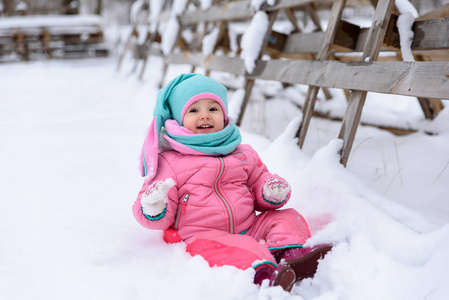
(154, 199)
(276, 190)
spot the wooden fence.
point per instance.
(52, 36)
(344, 56)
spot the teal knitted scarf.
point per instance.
(221, 142)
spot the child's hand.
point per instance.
(155, 197)
(276, 190)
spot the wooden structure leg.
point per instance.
(323, 54)
(353, 113)
(146, 55)
(249, 83)
(133, 35)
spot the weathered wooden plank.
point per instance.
(431, 34)
(233, 65)
(240, 10)
(440, 12)
(230, 11)
(290, 4)
(428, 34)
(303, 42)
(346, 37)
(416, 79)
(319, 3)
(434, 55)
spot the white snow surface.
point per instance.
(252, 40)
(155, 9)
(209, 41)
(136, 7)
(169, 35)
(71, 134)
(206, 4)
(408, 13)
(21, 6)
(50, 20)
(405, 23)
(405, 6)
(178, 7)
(235, 103)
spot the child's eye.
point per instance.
(193, 110)
(213, 109)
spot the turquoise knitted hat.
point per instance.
(171, 103)
(181, 92)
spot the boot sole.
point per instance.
(307, 265)
(285, 279)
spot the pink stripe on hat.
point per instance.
(204, 96)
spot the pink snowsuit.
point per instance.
(213, 208)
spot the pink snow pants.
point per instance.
(272, 230)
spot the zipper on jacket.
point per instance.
(231, 221)
(182, 211)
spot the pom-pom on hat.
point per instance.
(171, 103)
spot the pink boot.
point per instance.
(282, 275)
(304, 261)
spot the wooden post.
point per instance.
(164, 70)
(151, 36)
(429, 107)
(323, 54)
(426, 108)
(291, 16)
(314, 16)
(9, 6)
(99, 7)
(45, 40)
(353, 113)
(133, 35)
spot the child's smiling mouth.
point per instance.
(205, 127)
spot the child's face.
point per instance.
(204, 116)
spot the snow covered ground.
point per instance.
(70, 137)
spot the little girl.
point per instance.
(204, 188)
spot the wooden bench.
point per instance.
(68, 36)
